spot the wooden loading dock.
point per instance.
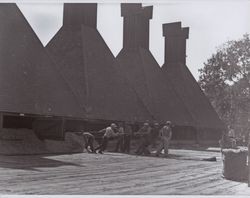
(112, 173)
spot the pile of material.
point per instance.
(24, 141)
(20, 141)
(72, 144)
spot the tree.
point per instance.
(225, 79)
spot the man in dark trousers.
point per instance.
(150, 138)
(120, 140)
(89, 141)
(154, 135)
(109, 132)
(127, 137)
(144, 141)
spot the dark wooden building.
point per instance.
(32, 90)
(90, 69)
(76, 83)
(207, 123)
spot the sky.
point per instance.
(211, 24)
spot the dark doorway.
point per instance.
(17, 122)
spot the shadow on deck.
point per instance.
(32, 162)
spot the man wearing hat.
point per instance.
(165, 136)
(154, 134)
(144, 141)
(109, 132)
(128, 133)
(120, 141)
(89, 141)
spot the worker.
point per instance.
(120, 140)
(154, 134)
(89, 141)
(144, 142)
(151, 137)
(127, 137)
(165, 137)
(109, 132)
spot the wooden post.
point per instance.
(197, 135)
(248, 156)
(63, 126)
(1, 121)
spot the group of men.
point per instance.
(147, 135)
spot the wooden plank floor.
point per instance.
(184, 173)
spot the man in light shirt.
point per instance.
(165, 136)
(109, 132)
